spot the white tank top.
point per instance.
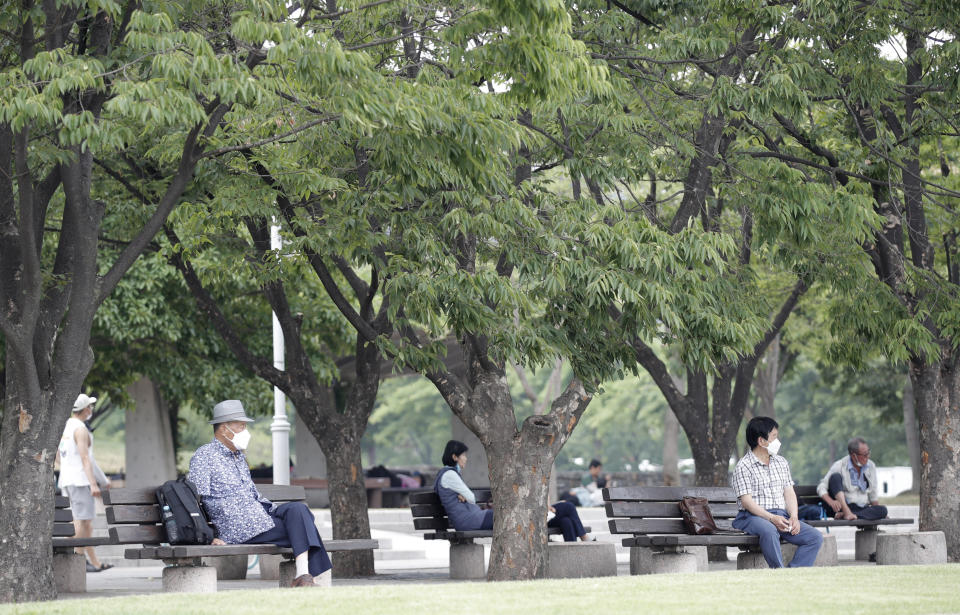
(71, 465)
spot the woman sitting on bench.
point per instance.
(460, 502)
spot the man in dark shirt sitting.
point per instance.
(241, 515)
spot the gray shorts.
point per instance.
(81, 502)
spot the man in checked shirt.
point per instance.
(768, 503)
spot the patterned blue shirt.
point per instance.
(235, 506)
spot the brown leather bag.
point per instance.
(697, 518)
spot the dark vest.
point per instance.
(464, 516)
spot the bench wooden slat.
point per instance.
(148, 495)
(138, 534)
(93, 541)
(180, 551)
(63, 529)
(62, 515)
(133, 513)
(431, 497)
(664, 509)
(61, 501)
(668, 494)
(688, 540)
(430, 523)
(656, 526)
(427, 510)
(856, 522)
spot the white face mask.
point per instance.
(240, 439)
(774, 447)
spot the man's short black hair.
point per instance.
(595, 463)
(453, 447)
(759, 427)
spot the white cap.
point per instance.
(82, 402)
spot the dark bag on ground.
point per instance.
(182, 514)
(697, 518)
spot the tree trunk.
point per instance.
(937, 392)
(671, 434)
(912, 433)
(765, 384)
(31, 431)
(519, 484)
(348, 498)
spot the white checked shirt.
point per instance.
(764, 483)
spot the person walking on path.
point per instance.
(768, 503)
(80, 476)
(238, 511)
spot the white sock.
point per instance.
(302, 564)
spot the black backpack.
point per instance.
(182, 515)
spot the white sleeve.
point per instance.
(451, 480)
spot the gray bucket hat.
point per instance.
(229, 410)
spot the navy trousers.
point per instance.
(567, 520)
(870, 513)
(293, 526)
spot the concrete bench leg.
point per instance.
(288, 572)
(865, 542)
(750, 560)
(189, 577)
(228, 567)
(643, 560)
(827, 556)
(270, 567)
(466, 561)
(912, 548)
(70, 573)
(575, 560)
(674, 559)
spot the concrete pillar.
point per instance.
(288, 572)
(865, 543)
(751, 560)
(640, 560)
(310, 461)
(70, 573)
(574, 560)
(270, 567)
(476, 473)
(467, 562)
(674, 561)
(827, 556)
(228, 567)
(191, 579)
(912, 548)
(149, 437)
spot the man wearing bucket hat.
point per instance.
(80, 476)
(238, 511)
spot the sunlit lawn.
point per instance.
(846, 590)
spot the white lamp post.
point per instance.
(280, 427)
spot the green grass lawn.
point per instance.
(846, 590)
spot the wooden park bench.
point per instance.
(658, 541)
(135, 519)
(375, 487)
(865, 543)
(466, 556)
(70, 567)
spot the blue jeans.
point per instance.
(808, 541)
